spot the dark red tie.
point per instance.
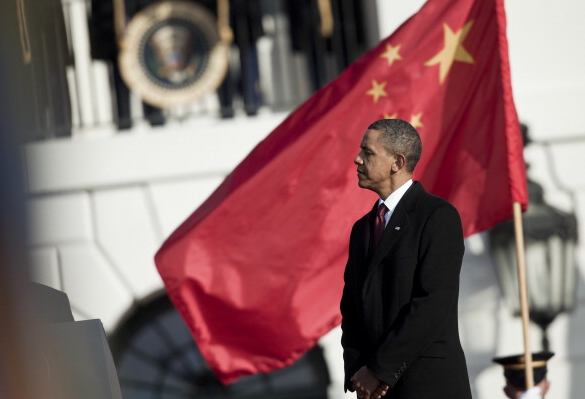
(379, 225)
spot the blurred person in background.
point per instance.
(515, 374)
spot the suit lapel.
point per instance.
(371, 294)
(398, 223)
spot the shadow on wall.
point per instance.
(575, 345)
(479, 300)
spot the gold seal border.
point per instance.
(135, 76)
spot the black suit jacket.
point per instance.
(399, 304)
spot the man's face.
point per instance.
(374, 163)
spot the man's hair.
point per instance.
(399, 137)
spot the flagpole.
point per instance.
(519, 235)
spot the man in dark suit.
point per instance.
(399, 305)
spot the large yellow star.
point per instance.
(391, 54)
(377, 90)
(415, 120)
(453, 50)
(393, 116)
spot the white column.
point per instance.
(82, 57)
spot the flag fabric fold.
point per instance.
(256, 271)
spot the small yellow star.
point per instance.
(415, 120)
(391, 54)
(453, 50)
(377, 90)
(393, 116)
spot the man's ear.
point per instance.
(511, 392)
(399, 162)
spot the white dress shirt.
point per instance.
(393, 200)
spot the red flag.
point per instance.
(256, 271)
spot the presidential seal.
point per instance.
(171, 54)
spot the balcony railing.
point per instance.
(78, 93)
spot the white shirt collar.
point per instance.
(395, 197)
